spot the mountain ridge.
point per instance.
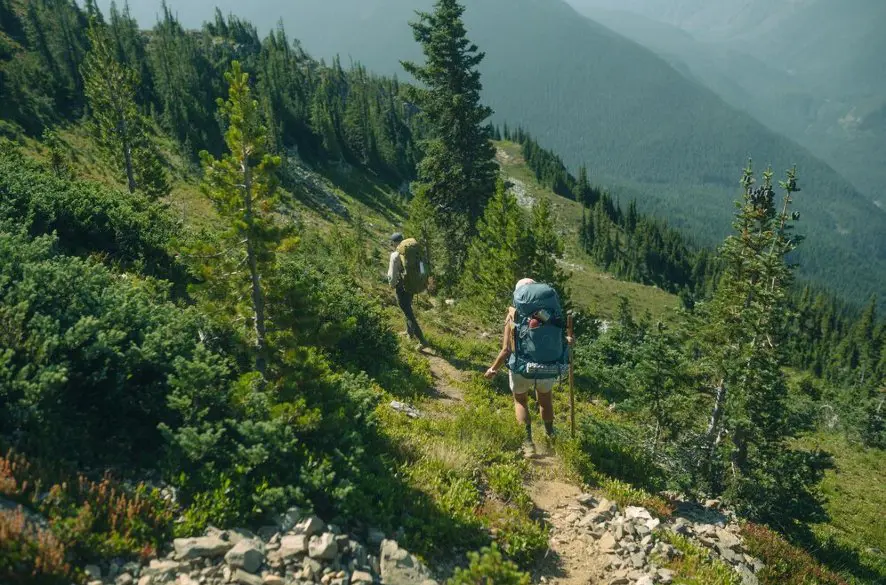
(599, 99)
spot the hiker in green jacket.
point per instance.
(521, 385)
(399, 281)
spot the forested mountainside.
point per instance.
(642, 128)
(793, 65)
(199, 352)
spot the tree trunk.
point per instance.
(258, 299)
(716, 414)
(127, 154)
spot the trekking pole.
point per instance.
(571, 378)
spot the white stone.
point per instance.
(247, 555)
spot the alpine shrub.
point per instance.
(489, 568)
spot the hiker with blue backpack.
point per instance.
(535, 346)
(408, 275)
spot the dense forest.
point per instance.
(243, 355)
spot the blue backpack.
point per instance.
(540, 348)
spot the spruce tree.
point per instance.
(243, 184)
(547, 248)
(500, 255)
(458, 170)
(748, 457)
(111, 88)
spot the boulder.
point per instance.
(162, 569)
(728, 540)
(634, 512)
(645, 580)
(361, 578)
(293, 545)
(607, 543)
(187, 549)
(271, 579)
(93, 572)
(124, 579)
(323, 547)
(247, 555)
(287, 520)
(747, 575)
(310, 526)
(665, 576)
(398, 567)
(243, 578)
(586, 500)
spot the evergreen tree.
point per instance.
(458, 169)
(749, 458)
(500, 255)
(242, 184)
(111, 87)
(548, 249)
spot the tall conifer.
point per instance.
(458, 170)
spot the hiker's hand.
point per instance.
(490, 373)
(570, 340)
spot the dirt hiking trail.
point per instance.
(572, 558)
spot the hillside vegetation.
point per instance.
(196, 329)
(792, 65)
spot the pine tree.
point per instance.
(111, 88)
(242, 184)
(458, 169)
(500, 255)
(748, 456)
(548, 249)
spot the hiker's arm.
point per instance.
(394, 270)
(502, 355)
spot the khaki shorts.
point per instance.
(521, 385)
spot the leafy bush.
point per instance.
(29, 554)
(489, 568)
(88, 218)
(696, 566)
(521, 538)
(85, 369)
(329, 311)
(614, 451)
(786, 564)
(506, 482)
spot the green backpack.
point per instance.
(416, 268)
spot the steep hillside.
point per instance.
(599, 99)
(812, 70)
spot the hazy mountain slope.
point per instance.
(812, 69)
(600, 99)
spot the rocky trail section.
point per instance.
(305, 552)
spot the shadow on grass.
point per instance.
(841, 557)
(369, 193)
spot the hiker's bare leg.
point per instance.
(521, 408)
(545, 396)
(546, 405)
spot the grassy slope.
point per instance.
(855, 497)
(591, 288)
(855, 489)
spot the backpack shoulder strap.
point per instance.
(510, 323)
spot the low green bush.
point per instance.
(614, 450)
(126, 229)
(488, 567)
(696, 566)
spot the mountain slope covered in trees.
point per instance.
(597, 99)
(811, 70)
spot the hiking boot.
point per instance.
(528, 449)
